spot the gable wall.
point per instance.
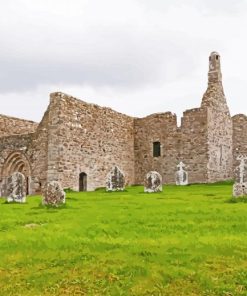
(87, 138)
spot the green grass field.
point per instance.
(185, 241)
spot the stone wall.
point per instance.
(30, 150)
(15, 126)
(161, 127)
(239, 139)
(219, 124)
(219, 146)
(203, 142)
(38, 153)
(87, 138)
(193, 144)
(75, 138)
(11, 145)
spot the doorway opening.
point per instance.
(83, 182)
(27, 186)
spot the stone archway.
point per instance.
(17, 162)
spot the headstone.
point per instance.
(53, 194)
(239, 189)
(181, 175)
(240, 185)
(115, 180)
(153, 182)
(16, 188)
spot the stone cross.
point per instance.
(181, 175)
(242, 167)
(240, 185)
(181, 166)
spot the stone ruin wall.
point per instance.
(76, 137)
(70, 123)
(8, 145)
(15, 126)
(219, 146)
(88, 138)
(160, 127)
(33, 148)
(239, 140)
(220, 130)
(203, 142)
(193, 144)
(38, 154)
(187, 143)
(219, 124)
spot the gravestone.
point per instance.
(115, 180)
(16, 188)
(53, 194)
(153, 182)
(240, 185)
(181, 175)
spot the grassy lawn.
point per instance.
(185, 241)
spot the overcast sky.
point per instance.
(135, 56)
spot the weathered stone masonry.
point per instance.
(203, 142)
(25, 153)
(87, 138)
(77, 143)
(219, 124)
(239, 141)
(15, 126)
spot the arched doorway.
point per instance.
(83, 182)
(17, 162)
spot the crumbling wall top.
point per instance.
(16, 126)
(239, 117)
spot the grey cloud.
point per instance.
(46, 44)
(122, 53)
(115, 57)
(214, 7)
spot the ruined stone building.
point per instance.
(77, 143)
